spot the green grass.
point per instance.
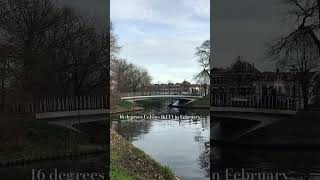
(164, 170)
(123, 106)
(200, 103)
(129, 162)
(117, 172)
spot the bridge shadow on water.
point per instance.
(288, 146)
(295, 163)
(56, 145)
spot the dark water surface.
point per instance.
(68, 169)
(179, 145)
(296, 164)
(182, 145)
(94, 164)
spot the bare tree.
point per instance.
(114, 47)
(304, 15)
(34, 28)
(204, 80)
(119, 68)
(85, 65)
(127, 76)
(138, 79)
(60, 53)
(203, 53)
(300, 48)
(300, 55)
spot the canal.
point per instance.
(92, 166)
(181, 144)
(295, 163)
(67, 169)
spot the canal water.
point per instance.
(77, 168)
(181, 144)
(295, 164)
(68, 169)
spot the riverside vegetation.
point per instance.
(130, 163)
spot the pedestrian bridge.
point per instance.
(256, 104)
(59, 107)
(182, 98)
(247, 114)
(216, 110)
(161, 96)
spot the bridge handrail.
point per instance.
(257, 101)
(54, 104)
(153, 93)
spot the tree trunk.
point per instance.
(318, 4)
(305, 94)
(3, 75)
(28, 67)
(314, 37)
(205, 90)
(2, 96)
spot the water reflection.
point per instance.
(132, 130)
(296, 164)
(93, 132)
(180, 144)
(94, 164)
(302, 164)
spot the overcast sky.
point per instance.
(96, 11)
(243, 27)
(161, 35)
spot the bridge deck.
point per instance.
(61, 114)
(253, 110)
(161, 96)
(264, 117)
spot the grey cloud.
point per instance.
(243, 27)
(96, 11)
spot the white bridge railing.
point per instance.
(154, 93)
(257, 101)
(54, 104)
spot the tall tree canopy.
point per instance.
(203, 54)
(299, 49)
(53, 50)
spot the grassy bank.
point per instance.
(200, 103)
(29, 139)
(130, 163)
(125, 106)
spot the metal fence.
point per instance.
(54, 104)
(257, 101)
(154, 93)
